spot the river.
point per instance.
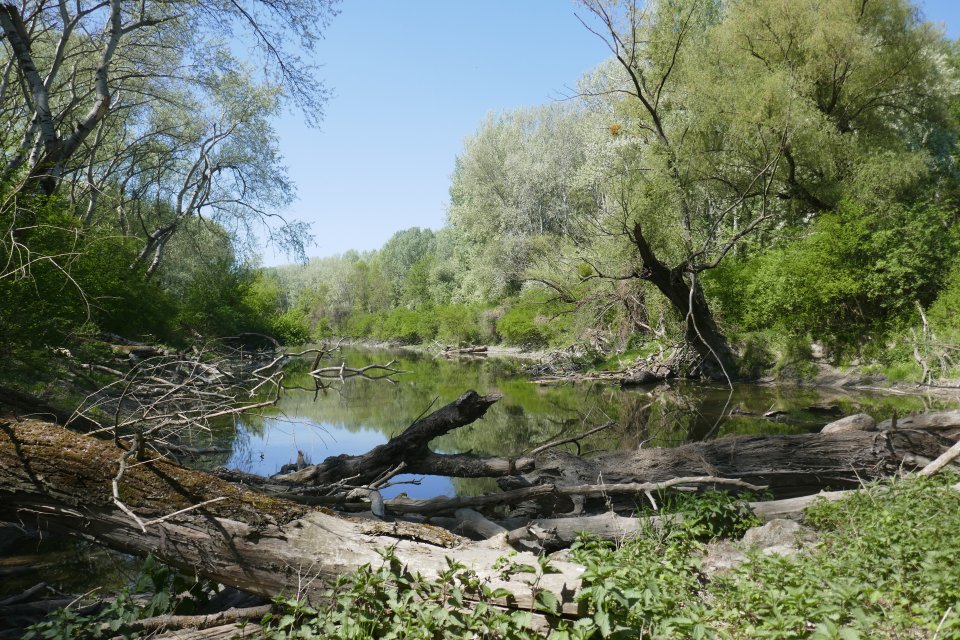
(354, 416)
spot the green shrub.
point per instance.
(519, 326)
(536, 319)
(850, 275)
(458, 324)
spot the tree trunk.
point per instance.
(700, 328)
(57, 480)
(411, 448)
(788, 465)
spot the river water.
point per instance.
(354, 416)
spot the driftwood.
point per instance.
(561, 532)
(411, 447)
(56, 480)
(552, 492)
(788, 465)
(934, 420)
(945, 458)
(196, 622)
(231, 631)
(451, 351)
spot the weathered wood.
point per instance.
(474, 522)
(57, 480)
(611, 526)
(932, 420)
(196, 622)
(23, 595)
(411, 447)
(945, 458)
(445, 504)
(232, 631)
(789, 465)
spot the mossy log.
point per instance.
(54, 479)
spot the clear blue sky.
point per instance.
(411, 80)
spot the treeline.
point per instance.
(712, 185)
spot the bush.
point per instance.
(537, 320)
(519, 327)
(87, 286)
(458, 324)
(852, 275)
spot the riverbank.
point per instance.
(576, 366)
(873, 564)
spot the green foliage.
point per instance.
(170, 593)
(227, 300)
(76, 280)
(536, 320)
(882, 570)
(852, 275)
(712, 515)
(390, 601)
(944, 313)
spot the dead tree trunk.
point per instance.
(57, 480)
(410, 448)
(788, 465)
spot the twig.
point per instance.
(576, 438)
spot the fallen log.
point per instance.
(932, 420)
(195, 622)
(411, 447)
(56, 480)
(444, 504)
(230, 631)
(789, 466)
(563, 531)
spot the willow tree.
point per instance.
(515, 180)
(140, 115)
(733, 118)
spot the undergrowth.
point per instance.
(885, 568)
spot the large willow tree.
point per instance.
(731, 119)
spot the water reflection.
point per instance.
(354, 417)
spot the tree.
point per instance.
(515, 179)
(735, 118)
(141, 111)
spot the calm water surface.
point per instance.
(357, 415)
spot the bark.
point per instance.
(932, 420)
(562, 532)
(57, 480)
(57, 149)
(411, 448)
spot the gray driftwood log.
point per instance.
(411, 448)
(789, 466)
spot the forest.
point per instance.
(746, 190)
